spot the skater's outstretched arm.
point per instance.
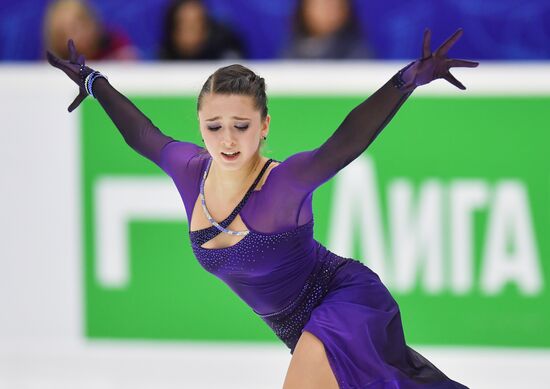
(362, 125)
(136, 128)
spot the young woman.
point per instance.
(251, 223)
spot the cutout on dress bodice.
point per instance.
(222, 240)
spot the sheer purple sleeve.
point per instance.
(183, 162)
(285, 200)
(310, 169)
(136, 129)
(179, 159)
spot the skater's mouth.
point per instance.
(231, 156)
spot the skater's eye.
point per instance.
(241, 127)
(214, 128)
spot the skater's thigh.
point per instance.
(309, 367)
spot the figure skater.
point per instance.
(251, 223)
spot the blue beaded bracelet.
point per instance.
(89, 81)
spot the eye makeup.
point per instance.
(241, 127)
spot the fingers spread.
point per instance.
(449, 77)
(52, 59)
(462, 63)
(445, 46)
(426, 46)
(72, 51)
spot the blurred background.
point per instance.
(450, 205)
(269, 30)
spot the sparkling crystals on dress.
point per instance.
(288, 323)
(258, 255)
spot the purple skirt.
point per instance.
(346, 306)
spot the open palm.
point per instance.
(434, 65)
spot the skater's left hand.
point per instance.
(435, 65)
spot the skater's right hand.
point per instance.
(75, 68)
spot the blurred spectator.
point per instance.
(76, 19)
(326, 29)
(190, 33)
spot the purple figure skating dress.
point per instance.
(294, 283)
(288, 278)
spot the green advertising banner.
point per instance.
(450, 205)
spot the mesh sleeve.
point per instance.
(136, 129)
(285, 200)
(310, 169)
(180, 160)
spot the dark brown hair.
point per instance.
(236, 79)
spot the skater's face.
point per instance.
(229, 123)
